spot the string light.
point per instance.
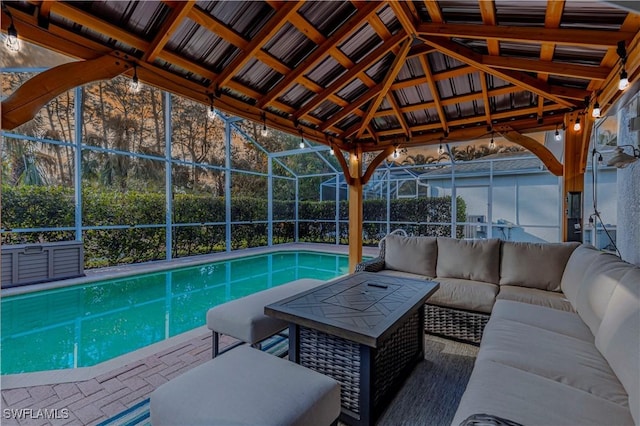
(624, 80)
(440, 149)
(134, 85)
(395, 154)
(595, 113)
(331, 151)
(264, 132)
(557, 135)
(492, 144)
(12, 41)
(302, 145)
(577, 125)
(211, 112)
(622, 53)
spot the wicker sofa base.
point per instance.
(455, 323)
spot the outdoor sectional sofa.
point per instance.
(559, 325)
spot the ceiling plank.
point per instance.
(488, 13)
(362, 66)
(434, 91)
(393, 71)
(564, 36)
(557, 68)
(320, 53)
(32, 95)
(264, 35)
(472, 58)
(207, 21)
(169, 26)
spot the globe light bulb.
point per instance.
(596, 110)
(264, 132)
(331, 151)
(557, 136)
(577, 125)
(395, 154)
(12, 42)
(211, 112)
(624, 80)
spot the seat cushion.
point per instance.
(247, 387)
(535, 265)
(465, 294)
(477, 260)
(530, 399)
(618, 337)
(401, 274)
(244, 318)
(550, 299)
(416, 255)
(561, 322)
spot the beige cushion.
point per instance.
(477, 260)
(557, 357)
(560, 322)
(535, 265)
(411, 254)
(574, 272)
(465, 294)
(618, 337)
(400, 274)
(600, 279)
(244, 318)
(247, 387)
(530, 399)
(550, 299)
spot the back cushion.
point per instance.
(477, 260)
(600, 279)
(574, 272)
(411, 254)
(535, 265)
(618, 338)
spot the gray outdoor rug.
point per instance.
(430, 395)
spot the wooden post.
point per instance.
(355, 208)
(576, 146)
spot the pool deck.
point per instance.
(94, 394)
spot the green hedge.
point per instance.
(36, 206)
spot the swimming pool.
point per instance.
(84, 325)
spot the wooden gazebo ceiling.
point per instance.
(371, 73)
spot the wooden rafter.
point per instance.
(485, 98)
(28, 99)
(398, 113)
(207, 21)
(312, 60)
(434, 92)
(564, 36)
(357, 103)
(169, 26)
(523, 80)
(347, 77)
(265, 34)
(552, 18)
(433, 9)
(44, 12)
(393, 71)
(533, 65)
(406, 19)
(488, 13)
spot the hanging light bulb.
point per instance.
(395, 154)
(577, 125)
(12, 42)
(624, 80)
(600, 160)
(211, 112)
(302, 145)
(331, 151)
(264, 132)
(557, 135)
(134, 85)
(440, 150)
(492, 144)
(596, 110)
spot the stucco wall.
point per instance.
(629, 213)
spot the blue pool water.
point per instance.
(84, 325)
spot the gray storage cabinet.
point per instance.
(35, 263)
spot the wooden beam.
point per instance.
(472, 58)
(536, 35)
(393, 71)
(28, 99)
(538, 149)
(376, 162)
(572, 178)
(485, 98)
(320, 53)
(209, 22)
(552, 19)
(363, 65)
(406, 20)
(357, 103)
(433, 9)
(264, 35)
(168, 27)
(398, 113)
(557, 68)
(355, 209)
(488, 13)
(434, 92)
